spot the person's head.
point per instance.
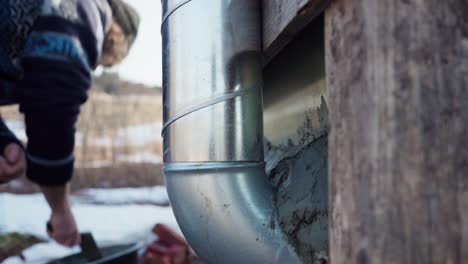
(121, 34)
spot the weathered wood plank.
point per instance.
(283, 19)
(397, 83)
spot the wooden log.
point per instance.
(397, 83)
(283, 19)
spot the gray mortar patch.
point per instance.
(299, 176)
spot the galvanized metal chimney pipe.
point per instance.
(213, 132)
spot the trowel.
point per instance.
(91, 254)
(89, 249)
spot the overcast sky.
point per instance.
(143, 65)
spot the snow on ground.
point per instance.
(95, 164)
(110, 224)
(142, 157)
(137, 135)
(17, 127)
(141, 134)
(42, 253)
(149, 195)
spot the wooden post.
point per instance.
(283, 20)
(397, 83)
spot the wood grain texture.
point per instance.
(397, 83)
(283, 19)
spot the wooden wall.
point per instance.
(283, 19)
(397, 83)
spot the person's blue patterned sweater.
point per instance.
(48, 49)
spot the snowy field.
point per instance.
(135, 136)
(138, 135)
(114, 216)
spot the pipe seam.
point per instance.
(208, 103)
(170, 12)
(174, 167)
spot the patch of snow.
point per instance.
(78, 138)
(140, 157)
(95, 164)
(137, 135)
(110, 224)
(42, 253)
(17, 127)
(142, 134)
(154, 195)
(103, 142)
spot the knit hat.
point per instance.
(127, 18)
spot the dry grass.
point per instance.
(118, 176)
(13, 244)
(103, 117)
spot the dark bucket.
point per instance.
(120, 254)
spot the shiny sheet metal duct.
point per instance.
(213, 134)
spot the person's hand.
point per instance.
(171, 248)
(12, 162)
(63, 229)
